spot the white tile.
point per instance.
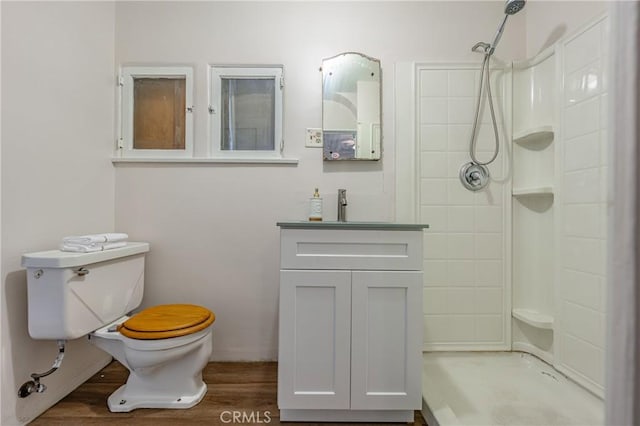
(583, 323)
(460, 246)
(488, 219)
(604, 221)
(455, 160)
(582, 357)
(489, 273)
(460, 273)
(485, 111)
(460, 218)
(433, 110)
(435, 216)
(604, 111)
(486, 140)
(448, 328)
(583, 254)
(433, 192)
(488, 246)
(461, 110)
(435, 272)
(582, 152)
(433, 82)
(496, 169)
(582, 186)
(462, 83)
(491, 195)
(604, 147)
(583, 83)
(498, 80)
(458, 194)
(605, 60)
(433, 164)
(433, 137)
(459, 137)
(582, 288)
(489, 301)
(582, 118)
(583, 49)
(488, 328)
(582, 220)
(603, 196)
(435, 246)
(460, 300)
(435, 300)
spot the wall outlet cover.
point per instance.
(313, 138)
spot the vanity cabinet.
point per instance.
(350, 342)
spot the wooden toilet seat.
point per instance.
(167, 321)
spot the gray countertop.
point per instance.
(304, 224)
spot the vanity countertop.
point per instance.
(305, 224)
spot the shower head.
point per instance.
(512, 7)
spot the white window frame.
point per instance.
(125, 147)
(216, 73)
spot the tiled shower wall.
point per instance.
(582, 254)
(464, 256)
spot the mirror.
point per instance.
(351, 107)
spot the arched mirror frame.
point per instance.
(351, 107)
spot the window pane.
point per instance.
(159, 113)
(248, 114)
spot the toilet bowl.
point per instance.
(164, 372)
(165, 348)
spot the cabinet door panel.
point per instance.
(315, 336)
(386, 340)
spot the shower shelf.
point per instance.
(533, 318)
(532, 191)
(535, 135)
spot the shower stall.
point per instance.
(515, 283)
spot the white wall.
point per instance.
(581, 279)
(57, 179)
(212, 227)
(466, 293)
(549, 21)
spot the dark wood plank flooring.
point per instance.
(233, 386)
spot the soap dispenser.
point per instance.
(315, 207)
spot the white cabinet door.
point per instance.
(386, 331)
(315, 339)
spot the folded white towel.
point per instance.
(95, 238)
(89, 248)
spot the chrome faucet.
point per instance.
(342, 205)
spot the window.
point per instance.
(156, 112)
(246, 111)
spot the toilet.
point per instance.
(165, 347)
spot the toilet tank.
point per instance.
(73, 294)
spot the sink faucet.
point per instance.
(342, 205)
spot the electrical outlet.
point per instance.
(314, 138)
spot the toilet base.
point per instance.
(118, 402)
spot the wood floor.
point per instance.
(233, 386)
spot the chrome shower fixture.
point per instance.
(511, 8)
(474, 175)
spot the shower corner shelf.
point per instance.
(533, 318)
(533, 135)
(532, 191)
